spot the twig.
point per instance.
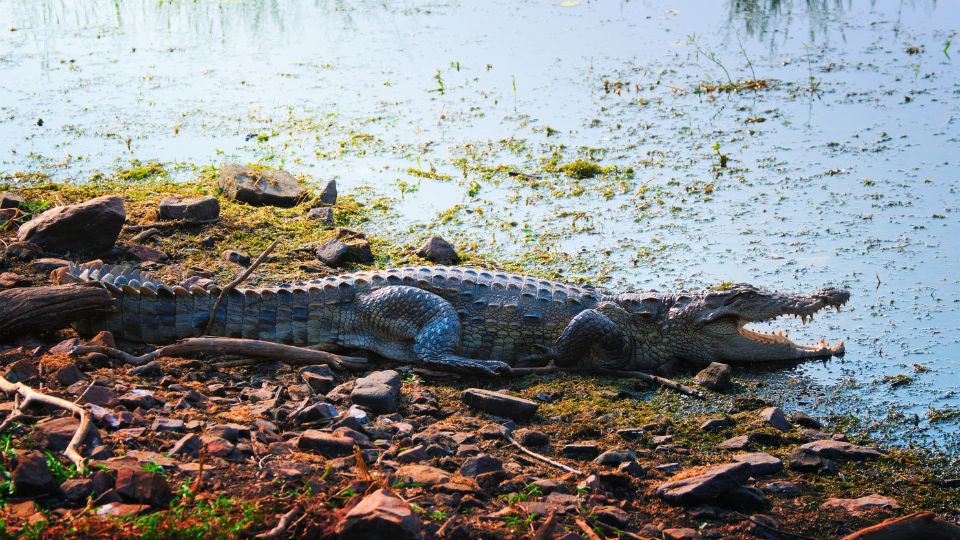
(591, 534)
(544, 459)
(282, 525)
(661, 381)
(238, 346)
(233, 284)
(170, 224)
(545, 530)
(31, 396)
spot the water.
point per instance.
(841, 172)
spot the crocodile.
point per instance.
(470, 319)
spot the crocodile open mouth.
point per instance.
(780, 338)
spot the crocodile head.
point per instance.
(712, 325)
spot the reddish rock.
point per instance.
(79, 489)
(143, 487)
(146, 254)
(923, 525)
(9, 280)
(421, 474)
(774, 416)
(325, 444)
(761, 463)
(86, 227)
(32, 476)
(380, 516)
(98, 395)
(21, 371)
(863, 505)
(69, 374)
(705, 484)
(55, 434)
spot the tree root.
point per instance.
(659, 381)
(29, 397)
(235, 346)
(285, 521)
(544, 459)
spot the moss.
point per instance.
(581, 169)
(140, 171)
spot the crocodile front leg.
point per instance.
(405, 323)
(592, 336)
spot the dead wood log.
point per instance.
(33, 310)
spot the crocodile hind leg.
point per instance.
(405, 323)
(591, 336)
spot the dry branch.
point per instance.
(282, 525)
(30, 310)
(29, 397)
(235, 346)
(544, 459)
(660, 381)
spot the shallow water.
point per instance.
(841, 172)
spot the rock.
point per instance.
(481, 464)
(286, 470)
(750, 402)
(745, 441)
(32, 476)
(862, 505)
(25, 251)
(413, 455)
(329, 194)
(774, 416)
(611, 515)
(924, 525)
(804, 460)
(705, 484)
(842, 450)
(317, 411)
(421, 475)
(55, 434)
(320, 384)
(143, 487)
(744, 499)
(761, 463)
(188, 445)
(10, 280)
(714, 377)
(92, 226)
(167, 425)
(615, 456)
(500, 404)
(230, 432)
(494, 431)
(377, 391)
(632, 468)
(783, 487)
(21, 371)
(323, 215)
(582, 451)
(218, 446)
(236, 257)
(68, 375)
(260, 187)
(47, 264)
(529, 437)
(716, 424)
(79, 489)
(138, 399)
(150, 369)
(805, 420)
(10, 200)
(380, 516)
(439, 251)
(98, 395)
(325, 444)
(120, 510)
(682, 533)
(146, 254)
(347, 246)
(190, 208)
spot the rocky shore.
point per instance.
(193, 448)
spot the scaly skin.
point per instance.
(470, 319)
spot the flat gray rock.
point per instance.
(706, 484)
(91, 226)
(500, 404)
(377, 392)
(841, 450)
(260, 187)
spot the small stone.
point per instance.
(167, 425)
(24, 251)
(783, 487)
(10, 280)
(716, 424)
(681, 533)
(744, 499)
(323, 215)
(380, 515)
(529, 437)
(138, 398)
(325, 444)
(21, 371)
(774, 416)
(863, 505)
(421, 475)
(706, 484)
(259, 186)
(146, 254)
(377, 391)
(79, 489)
(69, 374)
(582, 451)
(500, 404)
(32, 476)
(842, 450)
(150, 369)
(188, 445)
(47, 264)
(143, 487)
(98, 395)
(317, 411)
(805, 420)
(230, 432)
(190, 208)
(925, 525)
(747, 440)
(761, 463)
(92, 226)
(611, 515)
(438, 250)
(218, 446)
(120, 510)
(714, 377)
(346, 247)
(632, 468)
(287, 470)
(236, 257)
(329, 194)
(10, 200)
(481, 464)
(416, 454)
(615, 456)
(805, 461)
(55, 434)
